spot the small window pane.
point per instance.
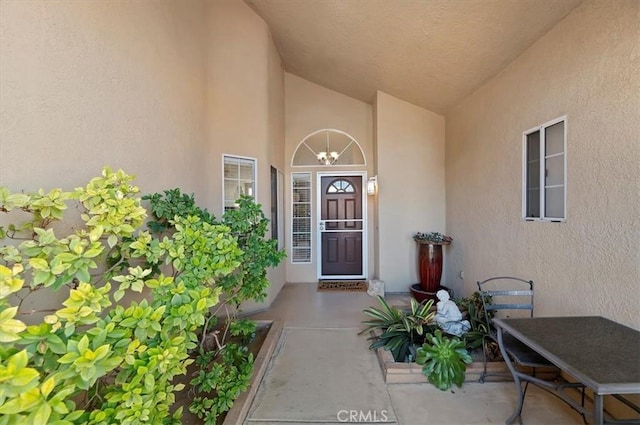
(533, 203)
(231, 190)
(301, 255)
(554, 202)
(351, 155)
(301, 210)
(300, 182)
(533, 175)
(301, 225)
(301, 195)
(301, 238)
(246, 171)
(533, 146)
(555, 171)
(305, 156)
(246, 188)
(230, 170)
(554, 139)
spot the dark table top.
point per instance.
(600, 353)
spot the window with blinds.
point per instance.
(239, 175)
(301, 217)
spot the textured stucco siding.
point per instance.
(160, 89)
(244, 106)
(587, 68)
(88, 84)
(244, 111)
(410, 167)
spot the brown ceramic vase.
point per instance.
(430, 265)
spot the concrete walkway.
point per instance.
(323, 373)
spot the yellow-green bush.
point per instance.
(98, 359)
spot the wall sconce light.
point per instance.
(372, 185)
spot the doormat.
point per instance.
(342, 285)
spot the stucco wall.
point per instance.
(88, 84)
(245, 104)
(275, 142)
(587, 67)
(161, 89)
(310, 107)
(411, 180)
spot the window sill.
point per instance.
(545, 220)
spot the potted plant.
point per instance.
(429, 263)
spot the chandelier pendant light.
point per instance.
(328, 157)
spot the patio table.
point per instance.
(599, 353)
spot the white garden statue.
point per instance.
(449, 317)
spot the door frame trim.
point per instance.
(365, 223)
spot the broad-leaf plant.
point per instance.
(397, 330)
(98, 316)
(444, 360)
(224, 364)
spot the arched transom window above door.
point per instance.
(340, 186)
(328, 147)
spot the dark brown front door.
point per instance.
(341, 226)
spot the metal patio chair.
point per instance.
(510, 297)
(513, 297)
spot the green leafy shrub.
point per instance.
(444, 360)
(225, 365)
(399, 330)
(172, 202)
(221, 380)
(98, 359)
(478, 336)
(249, 225)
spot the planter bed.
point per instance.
(411, 373)
(238, 412)
(240, 409)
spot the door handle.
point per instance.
(321, 225)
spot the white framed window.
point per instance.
(239, 177)
(544, 172)
(301, 217)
